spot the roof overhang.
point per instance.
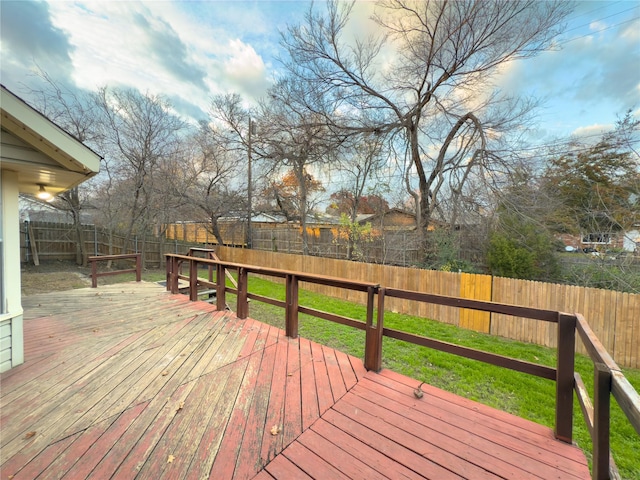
(41, 152)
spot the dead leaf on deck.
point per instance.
(165, 373)
(275, 430)
(30, 435)
(180, 406)
(170, 459)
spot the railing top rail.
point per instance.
(305, 277)
(114, 257)
(482, 305)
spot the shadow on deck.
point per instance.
(129, 381)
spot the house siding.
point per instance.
(5, 345)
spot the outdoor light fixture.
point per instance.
(42, 193)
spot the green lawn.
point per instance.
(524, 395)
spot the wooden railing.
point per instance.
(94, 267)
(609, 378)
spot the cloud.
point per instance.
(166, 48)
(29, 35)
(593, 132)
(245, 69)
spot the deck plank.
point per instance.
(129, 381)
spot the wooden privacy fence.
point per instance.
(613, 316)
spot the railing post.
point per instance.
(601, 422)
(242, 310)
(94, 274)
(373, 339)
(193, 280)
(564, 377)
(169, 273)
(175, 279)
(138, 268)
(221, 288)
(291, 307)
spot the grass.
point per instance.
(524, 395)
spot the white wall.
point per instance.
(11, 333)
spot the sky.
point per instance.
(191, 50)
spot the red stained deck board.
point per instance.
(451, 452)
(272, 444)
(281, 467)
(346, 369)
(336, 380)
(225, 462)
(147, 430)
(310, 463)
(310, 412)
(374, 458)
(43, 460)
(463, 412)
(249, 460)
(399, 453)
(217, 426)
(323, 386)
(292, 424)
(349, 465)
(87, 462)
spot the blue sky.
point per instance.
(189, 51)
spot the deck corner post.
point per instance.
(373, 336)
(138, 267)
(565, 377)
(221, 292)
(601, 421)
(291, 306)
(168, 270)
(94, 273)
(242, 310)
(193, 279)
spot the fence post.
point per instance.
(564, 376)
(291, 307)
(242, 311)
(373, 338)
(601, 423)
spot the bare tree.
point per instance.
(420, 81)
(204, 180)
(76, 112)
(142, 133)
(294, 141)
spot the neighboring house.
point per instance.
(36, 157)
(603, 241)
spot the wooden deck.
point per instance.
(128, 381)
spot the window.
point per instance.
(597, 238)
